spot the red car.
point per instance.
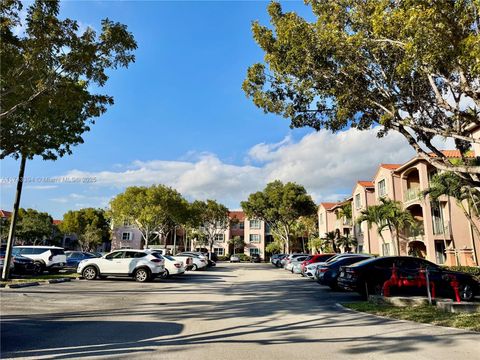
(315, 259)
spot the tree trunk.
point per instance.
(13, 223)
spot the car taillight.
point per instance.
(323, 270)
(157, 261)
(178, 266)
(202, 260)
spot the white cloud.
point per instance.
(327, 164)
(41, 187)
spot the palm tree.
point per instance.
(373, 215)
(331, 236)
(348, 242)
(452, 185)
(396, 219)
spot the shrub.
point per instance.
(475, 271)
(244, 257)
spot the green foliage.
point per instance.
(47, 78)
(243, 257)
(363, 63)
(348, 243)
(422, 314)
(154, 210)
(34, 227)
(236, 242)
(319, 245)
(90, 225)
(211, 218)
(280, 206)
(330, 240)
(274, 248)
(345, 211)
(475, 271)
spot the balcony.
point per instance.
(414, 232)
(440, 227)
(412, 194)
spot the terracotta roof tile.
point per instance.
(390, 166)
(239, 215)
(328, 205)
(5, 214)
(365, 183)
(454, 154)
(57, 222)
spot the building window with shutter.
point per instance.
(255, 238)
(127, 236)
(254, 224)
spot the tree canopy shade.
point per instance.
(280, 206)
(408, 66)
(47, 78)
(155, 210)
(90, 225)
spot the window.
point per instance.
(254, 251)
(382, 189)
(127, 236)
(320, 219)
(255, 238)
(386, 249)
(358, 203)
(219, 251)
(218, 238)
(360, 249)
(115, 255)
(254, 224)
(242, 224)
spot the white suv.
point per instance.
(50, 258)
(140, 265)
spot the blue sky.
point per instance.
(181, 118)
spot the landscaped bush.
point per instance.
(475, 271)
(224, 257)
(244, 257)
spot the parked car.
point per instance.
(234, 259)
(50, 258)
(276, 258)
(328, 273)
(255, 258)
(310, 270)
(370, 275)
(314, 259)
(2, 259)
(200, 261)
(182, 257)
(295, 261)
(289, 259)
(74, 258)
(172, 266)
(139, 264)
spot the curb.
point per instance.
(38, 283)
(403, 321)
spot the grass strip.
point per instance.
(422, 314)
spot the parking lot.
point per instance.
(234, 311)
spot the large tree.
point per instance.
(280, 206)
(49, 79)
(34, 227)
(90, 225)
(154, 210)
(212, 220)
(407, 66)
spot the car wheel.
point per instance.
(38, 268)
(142, 275)
(194, 267)
(466, 292)
(165, 274)
(90, 273)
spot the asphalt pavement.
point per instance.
(234, 311)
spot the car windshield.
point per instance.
(169, 257)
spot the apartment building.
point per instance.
(254, 234)
(443, 233)
(330, 218)
(363, 195)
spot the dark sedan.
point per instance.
(328, 274)
(369, 276)
(255, 258)
(74, 258)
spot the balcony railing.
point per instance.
(440, 227)
(412, 194)
(414, 232)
